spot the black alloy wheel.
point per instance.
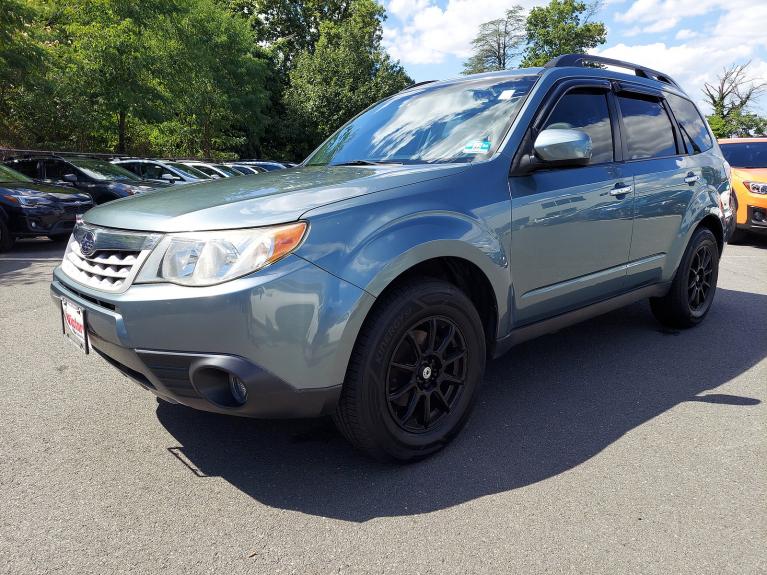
(427, 374)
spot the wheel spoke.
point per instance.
(405, 366)
(446, 342)
(414, 342)
(395, 395)
(432, 335)
(447, 378)
(442, 399)
(426, 409)
(453, 358)
(412, 404)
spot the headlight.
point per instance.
(28, 199)
(756, 187)
(209, 258)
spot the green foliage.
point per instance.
(347, 71)
(561, 27)
(497, 43)
(737, 124)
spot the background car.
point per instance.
(101, 180)
(173, 172)
(267, 165)
(29, 209)
(213, 170)
(748, 159)
(246, 170)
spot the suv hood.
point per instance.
(259, 200)
(750, 174)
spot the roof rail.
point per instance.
(581, 60)
(411, 86)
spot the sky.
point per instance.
(691, 40)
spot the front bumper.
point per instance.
(756, 219)
(45, 221)
(286, 332)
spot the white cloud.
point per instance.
(686, 34)
(427, 33)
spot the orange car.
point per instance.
(748, 159)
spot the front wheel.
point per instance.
(6, 238)
(694, 286)
(414, 372)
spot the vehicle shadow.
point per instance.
(17, 265)
(548, 406)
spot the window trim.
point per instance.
(546, 107)
(657, 94)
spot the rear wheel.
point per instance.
(6, 239)
(694, 286)
(414, 373)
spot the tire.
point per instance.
(735, 236)
(692, 292)
(6, 239)
(399, 372)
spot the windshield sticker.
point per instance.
(477, 147)
(506, 95)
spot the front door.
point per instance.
(571, 227)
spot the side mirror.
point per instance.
(71, 178)
(563, 147)
(169, 177)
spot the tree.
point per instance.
(561, 27)
(497, 43)
(730, 97)
(21, 57)
(347, 71)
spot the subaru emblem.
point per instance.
(88, 244)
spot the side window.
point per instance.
(26, 167)
(696, 136)
(55, 170)
(133, 167)
(586, 110)
(649, 132)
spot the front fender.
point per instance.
(400, 244)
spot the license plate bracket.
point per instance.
(74, 326)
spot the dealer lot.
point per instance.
(614, 446)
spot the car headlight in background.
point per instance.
(756, 187)
(28, 198)
(209, 258)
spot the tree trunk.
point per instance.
(121, 116)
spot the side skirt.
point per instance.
(531, 331)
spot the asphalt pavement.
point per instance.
(614, 446)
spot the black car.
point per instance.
(100, 179)
(29, 209)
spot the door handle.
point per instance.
(621, 190)
(691, 178)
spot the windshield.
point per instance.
(459, 122)
(188, 171)
(9, 175)
(226, 169)
(102, 170)
(746, 154)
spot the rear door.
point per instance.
(571, 227)
(665, 180)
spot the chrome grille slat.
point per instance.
(114, 263)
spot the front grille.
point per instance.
(112, 262)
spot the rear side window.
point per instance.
(587, 111)
(649, 132)
(695, 134)
(26, 167)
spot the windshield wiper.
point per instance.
(367, 163)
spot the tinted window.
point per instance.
(694, 132)
(746, 154)
(586, 111)
(649, 133)
(55, 170)
(131, 167)
(9, 175)
(26, 167)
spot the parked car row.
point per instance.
(41, 195)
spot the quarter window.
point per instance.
(695, 134)
(649, 133)
(587, 111)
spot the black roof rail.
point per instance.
(411, 86)
(581, 60)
